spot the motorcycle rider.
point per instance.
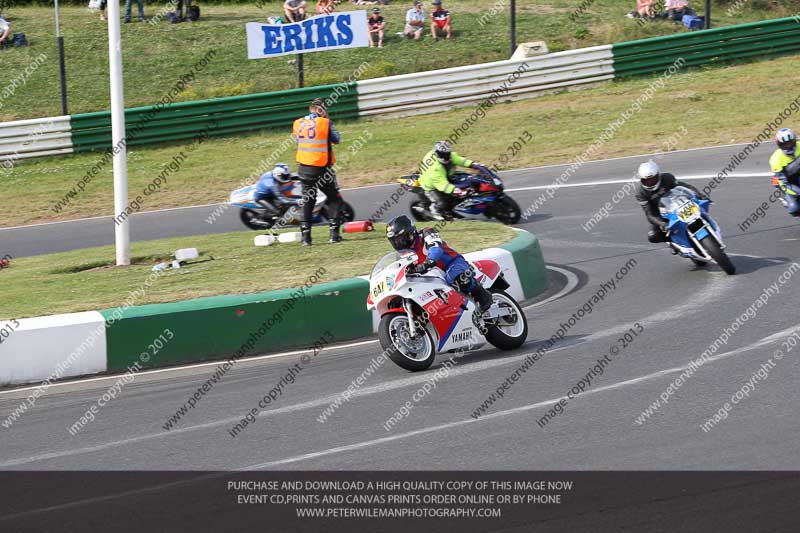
(273, 192)
(431, 252)
(315, 136)
(654, 185)
(436, 169)
(785, 164)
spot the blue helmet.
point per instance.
(281, 173)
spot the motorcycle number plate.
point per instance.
(378, 289)
(688, 212)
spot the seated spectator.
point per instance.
(646, 8)
(295, 10)
(376, 26)
(325, 7)
(5, 33)
(415, 21)
(440, 20)
(676, 9)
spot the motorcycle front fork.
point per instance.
(412, 322)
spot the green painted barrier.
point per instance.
(756, 39)
(215, 118)
(220, 326)
(530, 263)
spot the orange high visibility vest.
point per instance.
(313, 148)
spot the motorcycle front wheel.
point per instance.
(346, 212)
(718, 254)
(506, 210)
(414, 354)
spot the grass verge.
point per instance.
(156, 55)
(229, 264)
(700, 107)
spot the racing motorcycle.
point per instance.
(691, 231)
(485, 198)
(421, 314)
(251, 213)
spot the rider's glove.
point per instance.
(423, 267)
(459, 193)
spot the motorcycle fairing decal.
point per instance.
(488, 267)
(444, 322)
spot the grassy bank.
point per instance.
(229, 264)
(696, 108)
(156, 55)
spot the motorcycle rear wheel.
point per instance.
(506, 210)
(393, 335)
(508, 335)
(718, 254)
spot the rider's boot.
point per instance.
(334, 237)
(305, 235)
(482, 297)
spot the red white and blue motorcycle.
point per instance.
(421, 314)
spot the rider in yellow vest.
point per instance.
(785, 164)
(315, 134)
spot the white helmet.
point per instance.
(442, 150)
(787, 141)
(649, 175)
(281, 173)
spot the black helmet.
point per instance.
(401, 232)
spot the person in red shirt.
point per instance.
(440, 20)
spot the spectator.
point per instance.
(5, 33)
(295, 10)
(415, 21)
(646, 8)
(140, 4)
(376, 25)
(676, 9)
(325, 7)
(103, 4)
(440, 18)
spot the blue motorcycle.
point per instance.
(691, 231)
(485, 198)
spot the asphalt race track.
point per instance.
(680, 309)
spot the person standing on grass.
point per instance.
(376, 26)
(415, 21)
(103, 5)
(315, 135)
(440, 20)
(140, 5)
(179, 9)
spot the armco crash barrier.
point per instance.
(218, 327)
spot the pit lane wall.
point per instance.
(219, 327)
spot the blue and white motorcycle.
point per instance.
(251, 213)
(691, 231)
